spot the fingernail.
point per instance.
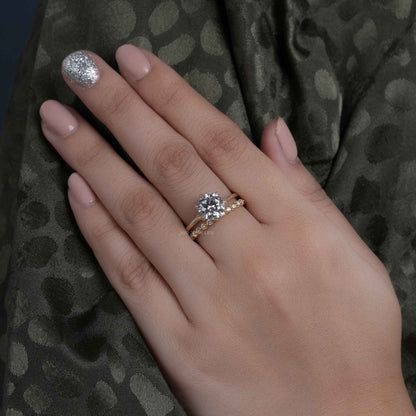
(286, 140)
(132, 62)
(81, 68)
(81, 190)
(57, 118)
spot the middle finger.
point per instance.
(167, 159)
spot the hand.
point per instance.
(279, 308)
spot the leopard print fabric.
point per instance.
(341, 73)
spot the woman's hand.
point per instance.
(280, 308)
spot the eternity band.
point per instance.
(197, 230)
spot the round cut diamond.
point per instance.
(211, 206)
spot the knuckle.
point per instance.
(204, 362)
(188, 345)
(139, 207)
(89, 154)
(172, 94)
(308, 237)
(318, 196)
(134, 272)
(199, 360)
(317, 245)
(201, 365)
(100, 230)
(223, 144)
(263, 272)
(176, 161)
(192, 367)
(118, 99)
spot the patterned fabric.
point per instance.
(342, 74)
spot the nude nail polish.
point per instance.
(286, 140)
(81, 68)
(132, 62)
(81, 190)
(58, 119)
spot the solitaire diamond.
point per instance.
(211, 206)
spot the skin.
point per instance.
(281, 309)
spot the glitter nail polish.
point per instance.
(81, 68)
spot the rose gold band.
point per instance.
(199, 217)
(194, 233)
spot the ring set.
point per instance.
(211, 207)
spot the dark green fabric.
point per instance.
(342, 74)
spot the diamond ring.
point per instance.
(211, 207)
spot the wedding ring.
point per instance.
(211, 207)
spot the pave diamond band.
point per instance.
(200, 228)
(210, 207)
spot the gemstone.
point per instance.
(211, 206)
(210, 222)
(197, 230)
(203, 226)
(228, 209)
(233, 206)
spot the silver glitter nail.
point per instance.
(81, 68)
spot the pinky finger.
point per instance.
(145, 293)
(287, 159)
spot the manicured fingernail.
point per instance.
(132, 62)
(286, 140)
(81, 68)
(81, 190)
(57, 118)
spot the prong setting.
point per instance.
(211, 206)
(205, 224)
